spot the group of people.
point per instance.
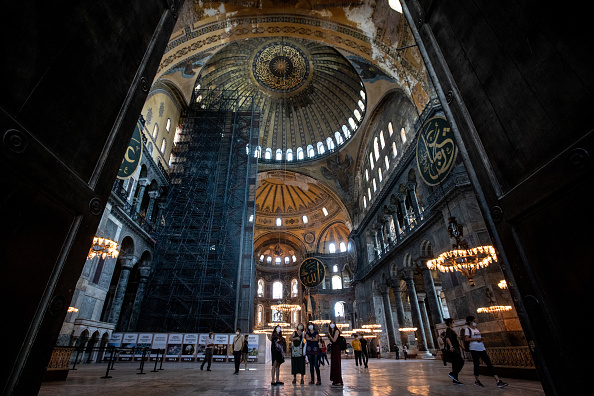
(307, 343)
(473, 343)
(240, 351)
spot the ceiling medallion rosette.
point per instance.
(281, 67)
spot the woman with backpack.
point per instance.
(338, 342)
(297, 355)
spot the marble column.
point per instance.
(142, 183)
(432, 299)
(394, 212)
(423, 308)
(389, 235)
(118, 299)
(388, 313)
(399, 308)
(144, 273)
(379, 229)
(153, 195)
(412, 193)
(415, 310)
(404, 209)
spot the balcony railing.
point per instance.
(130, 210)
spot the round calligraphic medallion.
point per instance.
(312, 272)
(436, 151)
(133, 154)
(281, 67)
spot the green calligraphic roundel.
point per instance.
(436, 151)
(312, 272)
(133, 155)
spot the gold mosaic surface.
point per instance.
(280, 67)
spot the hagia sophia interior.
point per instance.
(179, 166)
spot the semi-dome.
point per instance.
(310, 98)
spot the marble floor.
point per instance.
(383, 377)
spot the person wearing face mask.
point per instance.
(238, 342)
(478, 351)
(312, 349)
(277, 350)
(335, 365)
(297, 356)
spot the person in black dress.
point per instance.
(277, 350)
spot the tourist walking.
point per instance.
(312, 349)
(208, 351)
(397, 352)
(335, 365)
(238, 342)
(324, 355)
(378, 351)
(297, 356)
(453, 352)
(478, 351)
(245, 352)
(364, 350)
(277, 352)
(357, 349)
(405, 352)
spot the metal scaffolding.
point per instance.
(203, 276)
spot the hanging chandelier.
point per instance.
(502, 284)
(286, 307)
(320, 321)
(494, 308)
(281, 324)
(103, 247)
(407, 329)
(462, 258)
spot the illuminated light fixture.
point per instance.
(494, 308)
(281, 324)
(361, 331)
(462, 258)
(103, 247)
(372, 326)
(286, 307)
(320, 321)
(502, 284)
(72, 309)
(407, 329)
(342, 325)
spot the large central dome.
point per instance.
(309, 97)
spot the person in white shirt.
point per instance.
(208, 351)
(478, 351)
(238, 341)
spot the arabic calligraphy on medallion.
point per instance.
(281, 67)
(312, 272)
(436, 151)
(132, 156)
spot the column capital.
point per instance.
(421, 296)
(411, 185)
(144, 272)
(383, 289)
(392, 208)
(154, 194)
(408, 274)
(144, 181)
(127, 262)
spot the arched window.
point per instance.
(155, 131)
(338, 137)
(287, 259)
(279, 155)
(279, 222)
(269, 259)
(149, 147)
(325, 211)
(339, 309)
(299, 153)
(277, 260)
(277, 290)
(371, 160)
(335, 268)
(332, 247)
(357, 114)
(390, 129)
(369, 193)
(352, 124)
(361, 106)
(394, 150)
(379, 174)
(342, 247)
(305, 219)
(346, 131)
(320, 147)
(261, 258)
(330, 143)
(294, 288)
(403, 135)
(163, 145)
(387, 161)
(268, 153)
(336, 282)
(382, 141)
(362, 94)
(168, 124)
(375, 148)
(260, 315)
(310, 151)
(258, 152)
(364, 202)
(366, 175)
(289, 155)
(260, 287)
(374, 185)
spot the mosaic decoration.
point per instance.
(281, 67)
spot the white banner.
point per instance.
(174, 346)
(189, 347)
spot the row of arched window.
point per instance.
(320, 148)
(278, 289)
(376, 169)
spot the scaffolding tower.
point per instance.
(203, 272)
